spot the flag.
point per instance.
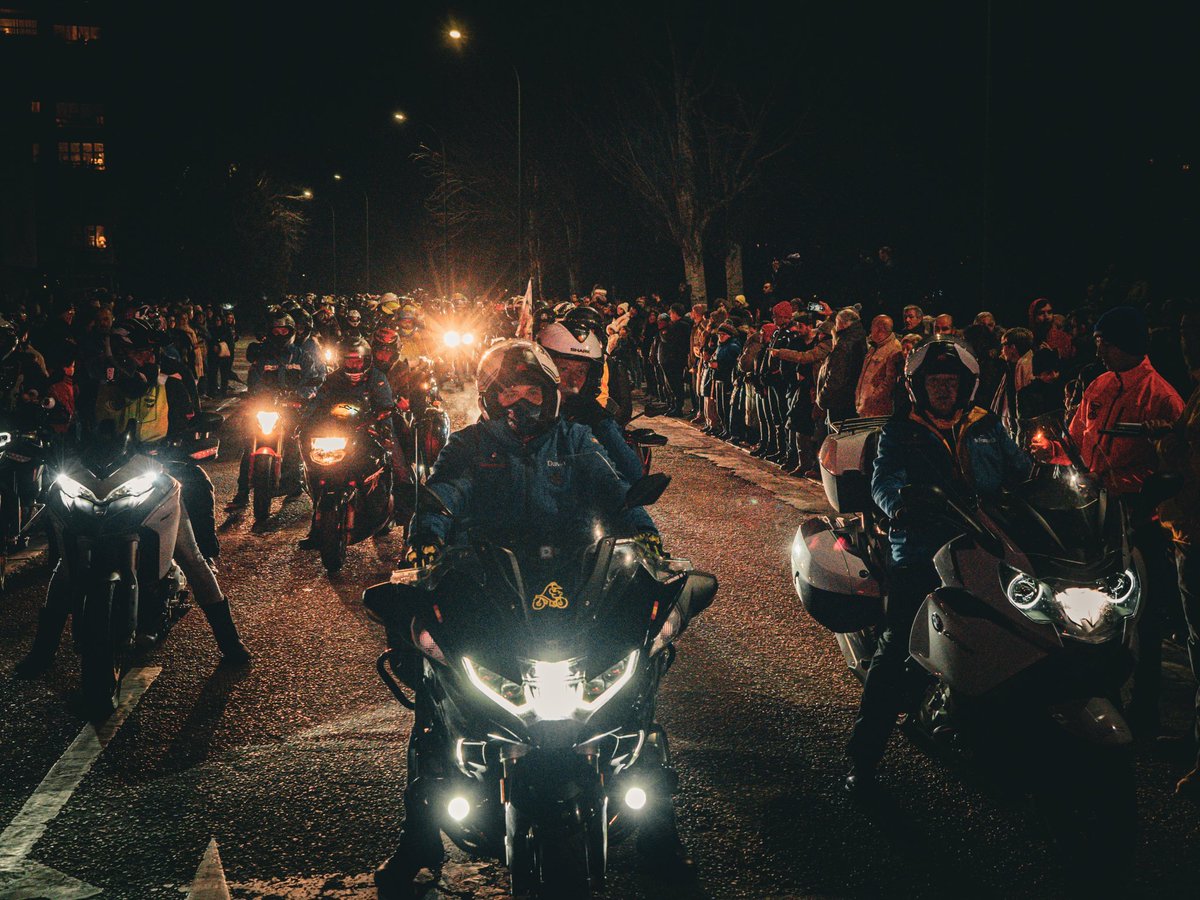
(525, 321)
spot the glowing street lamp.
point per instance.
(307, 194)
(454, 34)
(399, 117)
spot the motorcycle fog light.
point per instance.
(467, 338)
(635, 798)
(267, 420)
(451, 339)
(458, 808)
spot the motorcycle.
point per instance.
(116, 515)
(273, 439)
(22, 468)
(1026, 642)
(536, 679)
(423, 427)
(348, 474)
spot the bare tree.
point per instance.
(687, 148)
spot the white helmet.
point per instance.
(512, 363)
(557, 338)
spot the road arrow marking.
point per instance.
(209, 883)
(19, 878)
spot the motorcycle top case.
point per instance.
(847, 457)
(834, 584)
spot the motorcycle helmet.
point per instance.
(356, 360)
(584, 318)
(389, 308)
(507, 368)
(941, 356)
(304, 325)
(577, 356)
(385, 347)
(561, 309)
(406, 323)
(281, 329)
(353, 318)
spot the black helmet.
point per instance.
(355, 360)
(582, 319)
(304, 324)
(281, 329)
(135, 334)
(941, 356)
(510, 364)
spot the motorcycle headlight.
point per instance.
(467, 338)
(325, 451)
(73, 489)
(553, 691)
(1091, 613)
(451, 339)
(267, 420)
(134, 487)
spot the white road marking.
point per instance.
(20, 878)
(209, 883)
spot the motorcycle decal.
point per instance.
(552, 595)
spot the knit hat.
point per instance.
(781, 309)
(739, 300)
(1125, 328)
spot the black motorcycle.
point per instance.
(23, 457)
(422, 429)
(348, 474)
(536, 679)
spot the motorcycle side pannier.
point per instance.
(833, 582)
(847, 457)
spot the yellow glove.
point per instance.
(650, 543)
(423, 552)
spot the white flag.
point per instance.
(525, 321)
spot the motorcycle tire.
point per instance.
(262, 489)
(332, 532)
(563, 864)
(99, 664)
(522, 862)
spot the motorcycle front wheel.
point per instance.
(99, 664)
(262, 487)
(331, 531)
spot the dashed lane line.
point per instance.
(18, 876)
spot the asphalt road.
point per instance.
(283, 780)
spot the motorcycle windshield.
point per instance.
(1061, 520)
(502, 607)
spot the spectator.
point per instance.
(838, 376)
(914, 321)
(943, 324)
(881, 367)
(1042, 397)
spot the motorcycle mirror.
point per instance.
(646, 490)
(429, 502)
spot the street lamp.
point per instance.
(402, 118)
(366, 227)
(457, 37)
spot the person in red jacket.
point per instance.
(1131, 391)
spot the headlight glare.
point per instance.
(134, 487)
(1086, 612)
(553, 691)
(451, 339)
(326, 451)
(267, 420)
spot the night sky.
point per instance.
(886, 105)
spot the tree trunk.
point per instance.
(734, 284)
(693, 267)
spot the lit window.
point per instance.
(95, 238)
(72, 114)
(35, 106)
(77, 33)
(82, 154)
(11, 23)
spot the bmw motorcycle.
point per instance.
(1025, 644)
(348, 474)
(116, 514)
(536, 679)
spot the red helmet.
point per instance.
(385, 347)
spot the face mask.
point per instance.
(524, 418)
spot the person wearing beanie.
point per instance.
(1130, 391)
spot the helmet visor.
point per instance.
(353, 363)
(509, 395)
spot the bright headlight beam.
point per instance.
(451, 339)
(267, 420)
(635, 798)
(70, 486)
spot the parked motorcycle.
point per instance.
(535, 737)
(1027, 641)
(348, 474)
(116, 515)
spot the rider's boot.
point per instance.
(229, 642)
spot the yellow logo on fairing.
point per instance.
(551, 595)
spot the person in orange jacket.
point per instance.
(1132, 392)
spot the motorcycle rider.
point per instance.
(134, 391)
(325, 323)
(354, 381)
(520, 464)
(277, 363)
(947, 441)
